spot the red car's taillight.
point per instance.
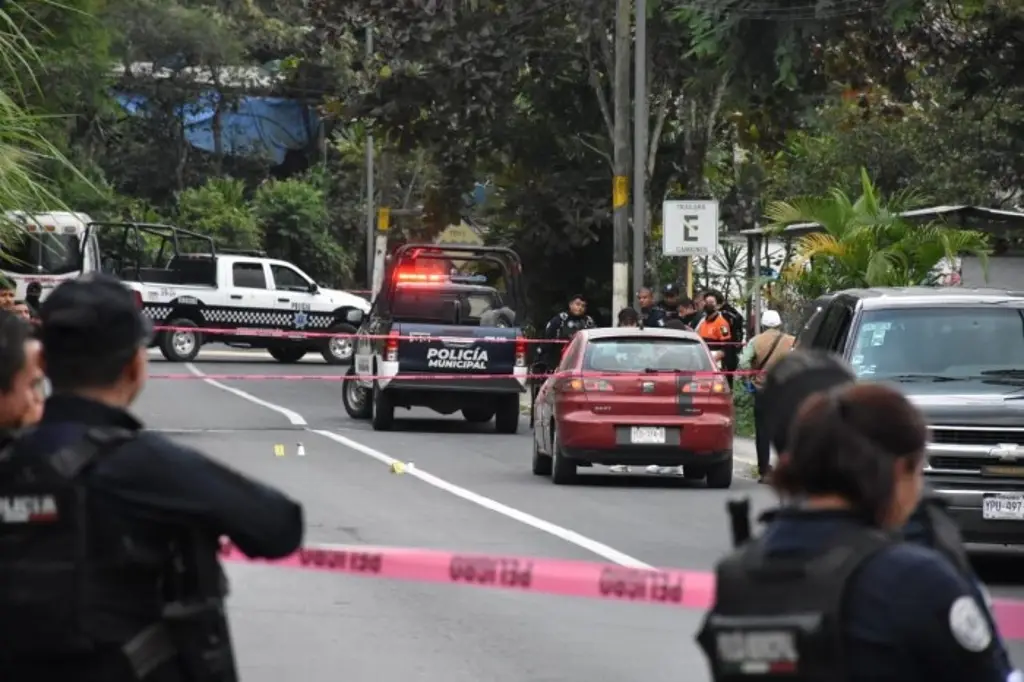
(520, 351)
(716, 385)
(578, 385)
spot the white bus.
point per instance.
(56, 247)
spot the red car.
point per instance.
(634, 396)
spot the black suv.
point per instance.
(958, 354)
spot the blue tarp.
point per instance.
(250, 126)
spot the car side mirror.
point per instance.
(314, 288)
(355, 316)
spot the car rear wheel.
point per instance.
(563, 469)
(720, 474)
(693, 473)
(477, 415)
(383, 410)
(541, 462)
(507, 415)
(357, 400)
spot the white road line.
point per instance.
(572, 537)
(294, 417)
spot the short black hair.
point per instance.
(578, 297)
(14, 332)
(675, 323)
(718, 295)
(685, 302)
(797, 376)
(845, 441)
(91, 331)
(628, 316)
(6, 284)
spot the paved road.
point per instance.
(323, 625)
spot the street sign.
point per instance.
(690, 227)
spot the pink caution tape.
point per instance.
(295, 334)
(427, 377)
(525, 574)
(668, 587)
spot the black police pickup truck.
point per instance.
(440, 335)
(958, 354)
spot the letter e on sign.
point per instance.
(690, 228)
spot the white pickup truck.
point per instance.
(246, 301)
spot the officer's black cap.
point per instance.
(92, 316)
(670, 289)
(794, 379)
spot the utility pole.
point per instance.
(641, 118)
(371, 208)
(620, 183)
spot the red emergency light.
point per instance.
(420, 277)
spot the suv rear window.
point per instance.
(436, 305)
(950, 341)
(631, 354)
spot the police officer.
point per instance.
(565, 324)
(109, 533)
(803, 373)
(670, 301)
(829, 591)
(651, 314)
(21, 375)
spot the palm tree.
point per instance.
(26, 155)
(867, 243)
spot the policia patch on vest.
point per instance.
(969, 626)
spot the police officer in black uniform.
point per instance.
(651, 315)
(670, 301)
(565, 324)
(830, 591)
(109, 533)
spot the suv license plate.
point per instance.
(1003, 507)
(647, 435)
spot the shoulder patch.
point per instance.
(968, 624)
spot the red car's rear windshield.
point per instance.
(632, 354)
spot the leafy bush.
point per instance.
(219, 209)
(292, 215)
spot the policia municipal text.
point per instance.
(109, 533)
(833, 590)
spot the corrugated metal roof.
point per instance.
(934, 211)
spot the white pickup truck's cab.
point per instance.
(57, 246)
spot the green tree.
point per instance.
(26, 153)
(866, 243)
(219, 209)
(292, 215)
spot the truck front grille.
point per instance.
(951, 435)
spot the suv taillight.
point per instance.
(137, 295)
(391, 349)
(520, 351)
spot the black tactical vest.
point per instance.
(49, 577)
(780, 617)
(945, 534)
